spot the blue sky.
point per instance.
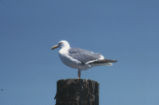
(126, 30)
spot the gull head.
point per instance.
(61, 44)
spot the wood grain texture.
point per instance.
(77, 92)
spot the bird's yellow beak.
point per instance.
(54, 47)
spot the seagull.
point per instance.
(80, 59)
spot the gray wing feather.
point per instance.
(83, 55)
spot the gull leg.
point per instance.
(79, 73)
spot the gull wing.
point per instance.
(84, 56)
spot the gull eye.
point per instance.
(60, 43)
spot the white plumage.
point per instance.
(79, 58)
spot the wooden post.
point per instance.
(77, 92)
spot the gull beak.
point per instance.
(54, 47)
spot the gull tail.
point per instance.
(107, 62)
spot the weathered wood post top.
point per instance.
(77, 92)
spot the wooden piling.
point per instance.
(77, 92)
